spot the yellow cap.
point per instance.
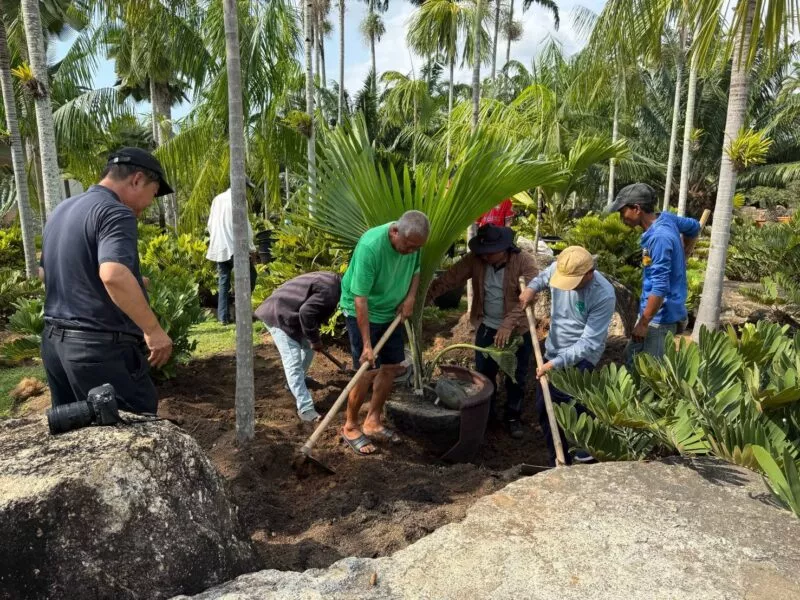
(572, 264)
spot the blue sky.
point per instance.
(392, 52)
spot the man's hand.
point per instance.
(146, 282)
(160, 346)
(544, 369)
(501, 337)
(640, 330)
(318, 346)
(406, 309)
(527, 297)
(368, 355)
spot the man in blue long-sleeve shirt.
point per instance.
(582, 305)
(662, 307)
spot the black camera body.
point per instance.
(100, 408)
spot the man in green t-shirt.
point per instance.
(381, 281)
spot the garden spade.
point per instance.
(339, 365)
(303, 456)
(548, 401)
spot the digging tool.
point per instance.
(339, 364)
(548, 401)
(304, 455)
(704, 219)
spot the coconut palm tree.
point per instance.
(435, 28)
(17, 156)
(37, 81)
(245, 387)
(311, 149)
(340, 112)
(405, 100)
(372, 28)
(513, 29)
(769, 24)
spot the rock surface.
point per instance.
(134, 511)
(616, 530)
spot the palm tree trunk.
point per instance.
(450, 108)
(476, 109)
(17, 157)
(476, 68)
(44, 110)
(611, 163)
(245, 390)
(33, 156)
(341, 62)
(539, 206)
(286, 184)
(162, 119)
(688, 126)
(708, 313)
(321, 42)
(494, 42)
(676, 109)
(510, 20)
(311, 150)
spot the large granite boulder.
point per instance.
(641, 531)
(134, 511)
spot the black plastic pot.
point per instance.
(263, 240)
(449, 299)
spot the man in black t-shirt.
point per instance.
(97, 317)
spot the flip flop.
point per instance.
(357, 444)
(386, 435)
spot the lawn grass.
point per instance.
(10, 377)
(213, 337)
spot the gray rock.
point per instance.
(642, 531)
(136, 511)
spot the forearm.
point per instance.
(126, 293)
(651, 308)
(362, 317)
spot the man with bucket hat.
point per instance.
(582, 305)
(666, 242)
(495, 265)
(99, 327)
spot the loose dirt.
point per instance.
(371, 507)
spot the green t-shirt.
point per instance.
(380, 273)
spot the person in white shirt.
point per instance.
(220, 250)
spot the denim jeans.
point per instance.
(557, 397)
(296, 358)
(485, 365)
(653, 344)
(224, 270)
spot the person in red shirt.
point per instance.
(500, 216)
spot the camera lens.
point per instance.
(68, 417)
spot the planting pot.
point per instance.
(263, 241)
(459, 430)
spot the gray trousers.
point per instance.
(77, 361)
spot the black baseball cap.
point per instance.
(635, 193)
(142, 158)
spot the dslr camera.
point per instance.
(100, 408)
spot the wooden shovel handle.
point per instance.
(548, 400)
(306, 448)
(704, 218)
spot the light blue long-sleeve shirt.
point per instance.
(579, 319)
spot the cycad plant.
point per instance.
(356, 192)
(724, 396)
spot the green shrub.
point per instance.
(13, 287)
(167, 254)
(28, 321)
(615, 244)
(12, 255)
(297, 250)
(723, 396)
(175, 301)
